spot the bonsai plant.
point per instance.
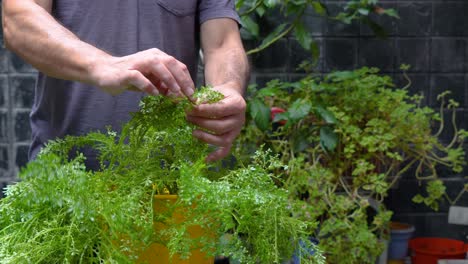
(62, 213)
(347, 138)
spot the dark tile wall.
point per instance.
(432, 36)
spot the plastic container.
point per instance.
(158, 253)
(428, 250)
(400, 234)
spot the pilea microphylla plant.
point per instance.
(62, 213)
(347, 138)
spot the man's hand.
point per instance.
(221, 122)
(151, 71)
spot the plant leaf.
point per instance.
(326, 115)
(260, 113)
(250, 25)
(328, 138)
(303, 36)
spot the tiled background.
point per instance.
(432, 36)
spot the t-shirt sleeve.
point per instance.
(211, 9)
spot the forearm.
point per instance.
(32, 33)
(227, 66)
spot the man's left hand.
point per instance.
(220, 123)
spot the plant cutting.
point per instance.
(60, 212)
(350, 136)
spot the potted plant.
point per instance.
(348, 137)
(62, 213)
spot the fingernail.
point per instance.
(155, 92)
(190, 91)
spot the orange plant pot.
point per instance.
(428, 250)
(158, 253)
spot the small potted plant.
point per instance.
(347, 138)
(60, 212)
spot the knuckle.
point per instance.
(169, 60)
(184, 67)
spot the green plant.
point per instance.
(293, 13)
(62, 213)
(347, 138)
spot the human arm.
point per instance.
(33, 33)
(227, 70)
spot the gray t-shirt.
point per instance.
(120, 27)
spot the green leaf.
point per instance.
(281, 116)
(363, 11)
(260, 11)
(319, 8)
(303, 36)
(328, 138)
(299, 109)
(239, 4)
(391, 12)
(340, 76)
(418, 198)
(260, 113)
(326, 115)
(250, 25)
(299, 142)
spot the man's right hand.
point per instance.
(151, 71)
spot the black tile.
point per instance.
(450, 19)
(17, 64)
(455, 83)
(273, 58)
(3, 60)
(4, 126)
(3, 91)
(262, 79)
(414, 52)
(337, 28)
(21, 156)
(22, 127)
(448, 55)
(299, 54)
(448, 131)
(419, 85)
(389, 24)
(314, 23)
(22, 87)
(340, 54)
(377, 53)
(4, 158)
(415, 19)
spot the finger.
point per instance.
(217, 140)
(182, 76)
(218, 126)
(138, 80)
(162, 88)
(218, 154)
(165, 76)
(223, 108)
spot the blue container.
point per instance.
(400, 234)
